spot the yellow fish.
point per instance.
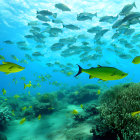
(29, 92)
(16, 96)
(75, 112)
(16, 82)
(30, 107)
(76, 92)
(8, 67)
(135, 113)
(22, 121)
(14, 57)
(136, 60)
(38, 93)
(98, 92)
(81, 106)
(69, 73)
(27, 85)
(103, 73)
(51, 108)
(13, 112)
(38, 84)
(24, 108)
(2, 57)
(23, 78)
(39, 117)
(4, 91)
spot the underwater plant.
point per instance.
(116, 121)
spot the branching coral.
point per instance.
(115, 119)
(5, 117)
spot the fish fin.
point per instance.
(91, 76)
(99, 66)
(3, 62)
(134, 5)
(102, 80)
(24, 85)
(6, 62)
(80, 71)
(10, 67)
(7, 72)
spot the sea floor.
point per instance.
(57, 126)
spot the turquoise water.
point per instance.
(53, 70)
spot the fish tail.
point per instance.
(25, 86)
(80, 71)
(134, 5)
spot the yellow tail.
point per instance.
(25, 86)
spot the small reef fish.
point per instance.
(69, 73)
(4, 91)
(2, 57)
(135, 113)
(127, 8)
(16, 96)
(39, 117)
(136, 60)
(14, 57)
(27, 85)
(62, 7)
(23, 78)
(103, 73)
(30, 107)
(51, 108)
(29, 92)
(13, 112)
(75, 112)
(14, 80)
(85, 16)
(76, 92)
(99, 92)
(22, 121)
(24, 108)
(38, 84)
(8, 67)
(8, 42)
(82, 106)
(38, 93)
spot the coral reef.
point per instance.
(115, 121)
(2, 137)
(89, 111)
(5, 116)
(84, 94)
